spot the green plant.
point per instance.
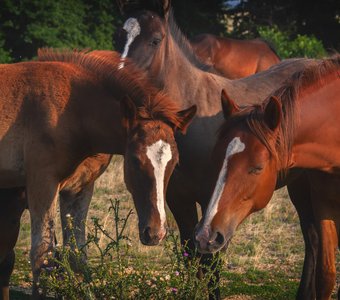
(287, 47)
(117, 274)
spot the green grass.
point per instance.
(264, 259)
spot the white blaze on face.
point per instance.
(132, 27)
(235, 146)
(159, 154)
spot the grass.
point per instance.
(264, 259)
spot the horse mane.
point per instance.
(287, 94)
(184, 44)
(151, 103)
(271, 46)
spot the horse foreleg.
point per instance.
(42, 197)
(183, 207)
(325, 189)
(300, 195)
(76, 206)
(326, 271)
(6, 269)
(181, 202)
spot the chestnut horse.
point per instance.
(296, 127)
(155, 43)
(73, 106)
(234, 58)
(12, 205)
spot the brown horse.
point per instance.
(234, 58)
(153, 40)
(12, 204)
(73, 106)
(296, 127)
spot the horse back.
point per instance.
(34, 98)
(234, 58)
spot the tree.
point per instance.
(26, 25)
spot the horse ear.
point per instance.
(228, 105)
(272, 113)
(161, 7)
(129, 112)
(166, 8)
(185, 117)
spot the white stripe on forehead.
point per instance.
(235, 146)
(132, 27)
(159, 154)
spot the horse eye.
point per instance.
(255, 170)
(155, 42)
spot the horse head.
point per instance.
(150, 158)
(246, 170)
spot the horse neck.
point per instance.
(189, 84)
(256, 88)
(316, 141)
(99, 111)
(184, 81)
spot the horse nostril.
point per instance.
(219, 238)
(147, 235)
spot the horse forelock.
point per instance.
(287, 94)
(151, 103)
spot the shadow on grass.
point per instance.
(260, 285)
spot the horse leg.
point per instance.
(185, 214)
(325, 189)
(183, 208)
(77, 206)
(299, 192)
(6, 269)
(326, 271)
(42, 193)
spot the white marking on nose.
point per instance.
(235, 146)
(159, 154)
(132, 27)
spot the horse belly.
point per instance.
(11, 167)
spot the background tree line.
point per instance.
(295, 27)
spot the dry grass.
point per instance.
(267, 241)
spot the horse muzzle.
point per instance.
(208, 240)
(151, 237)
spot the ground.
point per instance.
(264, 259)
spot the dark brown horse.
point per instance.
(72, 106)
(234, 58)
(296, 127)
(153, 40)
(12, 204)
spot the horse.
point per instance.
(233, 58)
(152, 39)
(12, 205)
(295, 128)
(70, 106)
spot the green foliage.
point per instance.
(286, 47)
(27, 25)
(5, 56)
(116, 275)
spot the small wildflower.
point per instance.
(186, 254)
(176, 273)
(174, 290)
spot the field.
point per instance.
(264, 259)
